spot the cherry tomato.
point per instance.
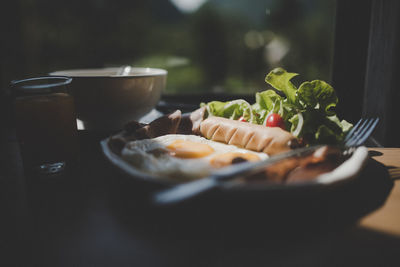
(275, 120)
(241, 118)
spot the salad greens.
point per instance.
(308, 111)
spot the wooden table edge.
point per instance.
(386, 219)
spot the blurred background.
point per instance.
(210, 46)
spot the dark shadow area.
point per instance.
(96, 216)
(254, 213)
(374, 153)
(93, 215)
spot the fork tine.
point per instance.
(358, 132)
(362, 133)
(367, 132)
(350, 134)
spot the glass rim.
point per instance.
(25, 86)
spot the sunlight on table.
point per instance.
(387, 218)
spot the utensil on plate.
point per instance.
(356, 137)
(124, 70)
(360, 132)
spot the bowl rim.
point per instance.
(142, 72)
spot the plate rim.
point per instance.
(345, 172)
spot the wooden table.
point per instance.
(387, 218)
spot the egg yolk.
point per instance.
(189, 149)
(226, 159)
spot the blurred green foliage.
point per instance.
(224, 46)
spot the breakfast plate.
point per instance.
(346, 171)
(300, 116)
(326, 201)
(281, 119)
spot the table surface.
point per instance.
(91, 217)
(387, 218)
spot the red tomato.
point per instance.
(275, 120)
(241, 118)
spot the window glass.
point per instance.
(206, 45)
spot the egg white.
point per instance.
(140, 154)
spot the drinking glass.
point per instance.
(45, 123)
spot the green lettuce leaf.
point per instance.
(329, 130)
(280, 80)
(346, 126)
(231, 109)
(318, 95)
(308, 112)
(325, 135)
(216, 108)
(269, 100)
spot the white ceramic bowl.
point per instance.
(107, 98)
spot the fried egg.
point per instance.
(183, 157)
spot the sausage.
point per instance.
(243, 134)
(270, 140)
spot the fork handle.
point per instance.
(185, 191)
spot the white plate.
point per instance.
(348, 170)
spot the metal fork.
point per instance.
(356, 137)
(360, 132)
